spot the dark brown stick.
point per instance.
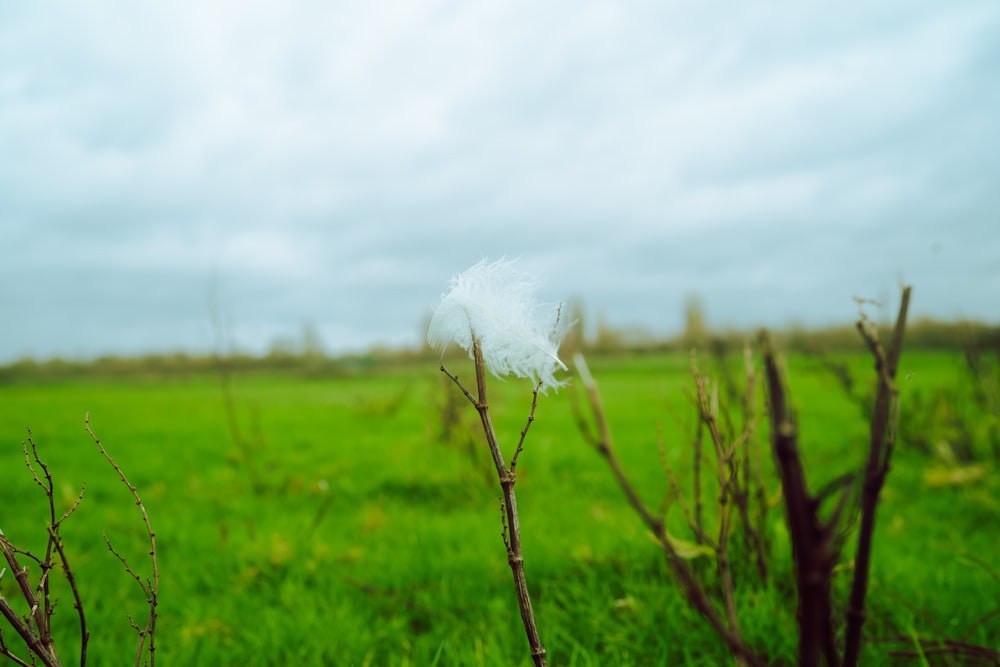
(882, 439)
(811, 541)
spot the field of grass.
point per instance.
(343, 531)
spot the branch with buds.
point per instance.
(489, 312)
(599, 436)
(816, 539)
(34, 627)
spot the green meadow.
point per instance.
(354, 518)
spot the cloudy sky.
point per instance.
(332, 163)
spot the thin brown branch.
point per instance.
(511, 523)
(524, 431)
(73, 507)
(708, 411)
(981, 562)
(38, 598)
(232, 423)
(38, 643)
(21, 576)
(42, 615)
(454, 378)
(68, 573)
(675, 489)
(222, 363)
(751, 473)
(993, 613)
(694, 521)
(604, 447)
(945, 647)
(696, 473)
(151, 588)
(688, 582)
(47, 485)
(6, 652)
(40, 601)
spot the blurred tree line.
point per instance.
(307, 355)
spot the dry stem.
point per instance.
(35, 628)
(600, 438)
(708, 411)
(150, 587)
(882, 439)
(511, 525)
(751, 469)
(811, 540)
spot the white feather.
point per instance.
(494, 304)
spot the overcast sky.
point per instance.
(332, 163)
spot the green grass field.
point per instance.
(368, 541)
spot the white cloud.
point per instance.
(309, 151)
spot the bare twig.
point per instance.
(675, 489)
(232, 422)
(6, 652)
(42, 614)
(751, 472)
(698, 514)
(756, 464)
(708, 411)
(240, 440)
(38, 644)
(35, 628)
(689, 584)
(981, 655)
(981, 562)
(150, 587)
(77, 601)
(511, 525)
(524, 431)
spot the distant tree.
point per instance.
(575, 338)
(312, 342)
(608, 338)
(695, 328)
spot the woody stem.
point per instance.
(512, 537)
